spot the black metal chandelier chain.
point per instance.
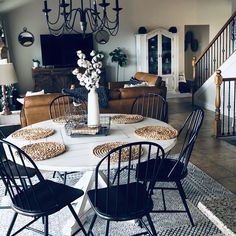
(95, 15)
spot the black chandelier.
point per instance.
(93, 13)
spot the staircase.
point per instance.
(220, 50)
(217, 52)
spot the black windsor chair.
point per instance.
(40, 197)
(17, 170)
(151, 105)
(62, 107)
(127, 198)
(175, 169)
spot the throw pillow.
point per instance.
(158, 81)
(82, 93)
(142, 84)
(134, 81)
(30, 93)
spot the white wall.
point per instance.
(135, 13)
(201, 34)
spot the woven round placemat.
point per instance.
(126, 119)
(43, 150)
(103, 149)
(156, 132)
(33, 133)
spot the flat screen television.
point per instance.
(60, 51)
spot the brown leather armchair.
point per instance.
(121, 99)
(36, 108)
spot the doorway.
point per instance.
(196, 40)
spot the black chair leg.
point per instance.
(183, 197)
(65, 176)
(12, 224)
(77, 219)
(5, 192)
(163, 199)
(107, 227)
(24, 183)
(45, 222)
(92, 224)
(154, 233)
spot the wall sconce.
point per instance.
(7, 77)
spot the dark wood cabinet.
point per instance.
(53, 79)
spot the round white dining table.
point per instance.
(79, 155)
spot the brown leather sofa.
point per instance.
(36, 108)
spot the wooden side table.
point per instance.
(10, 123)
(13, 119)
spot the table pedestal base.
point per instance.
(86, 183)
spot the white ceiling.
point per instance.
(7, 5)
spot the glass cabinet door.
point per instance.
(166, 55)
(160, 55)
(152, 55)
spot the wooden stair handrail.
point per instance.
(215, 38)
(217, 121)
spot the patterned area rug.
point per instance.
(198, 187)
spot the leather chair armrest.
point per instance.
(23, 118)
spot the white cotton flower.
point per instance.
(87, 86)
(95, 65)
(82, 83)
(98, 71)
(99, 64)
(82, 56)
(93, 61)
(91, 76)
(78, 52)
(79, 76)
(94, 74)
(97, 84)
(84, 64)
(93, 53)
(75, 71)
(79, 63)
(90, 66)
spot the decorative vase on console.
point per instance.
(90, 79)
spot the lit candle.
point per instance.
(45, 5)
(95, 6)
(82, 4)
(117, 4)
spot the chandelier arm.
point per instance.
(55, 29)
(58, 16)
(113, 32)
(73, 16)
(56, 32)
(94, 22)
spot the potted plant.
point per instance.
(118, 56)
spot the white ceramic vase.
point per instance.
(93, 108)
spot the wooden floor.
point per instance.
(215, 157)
